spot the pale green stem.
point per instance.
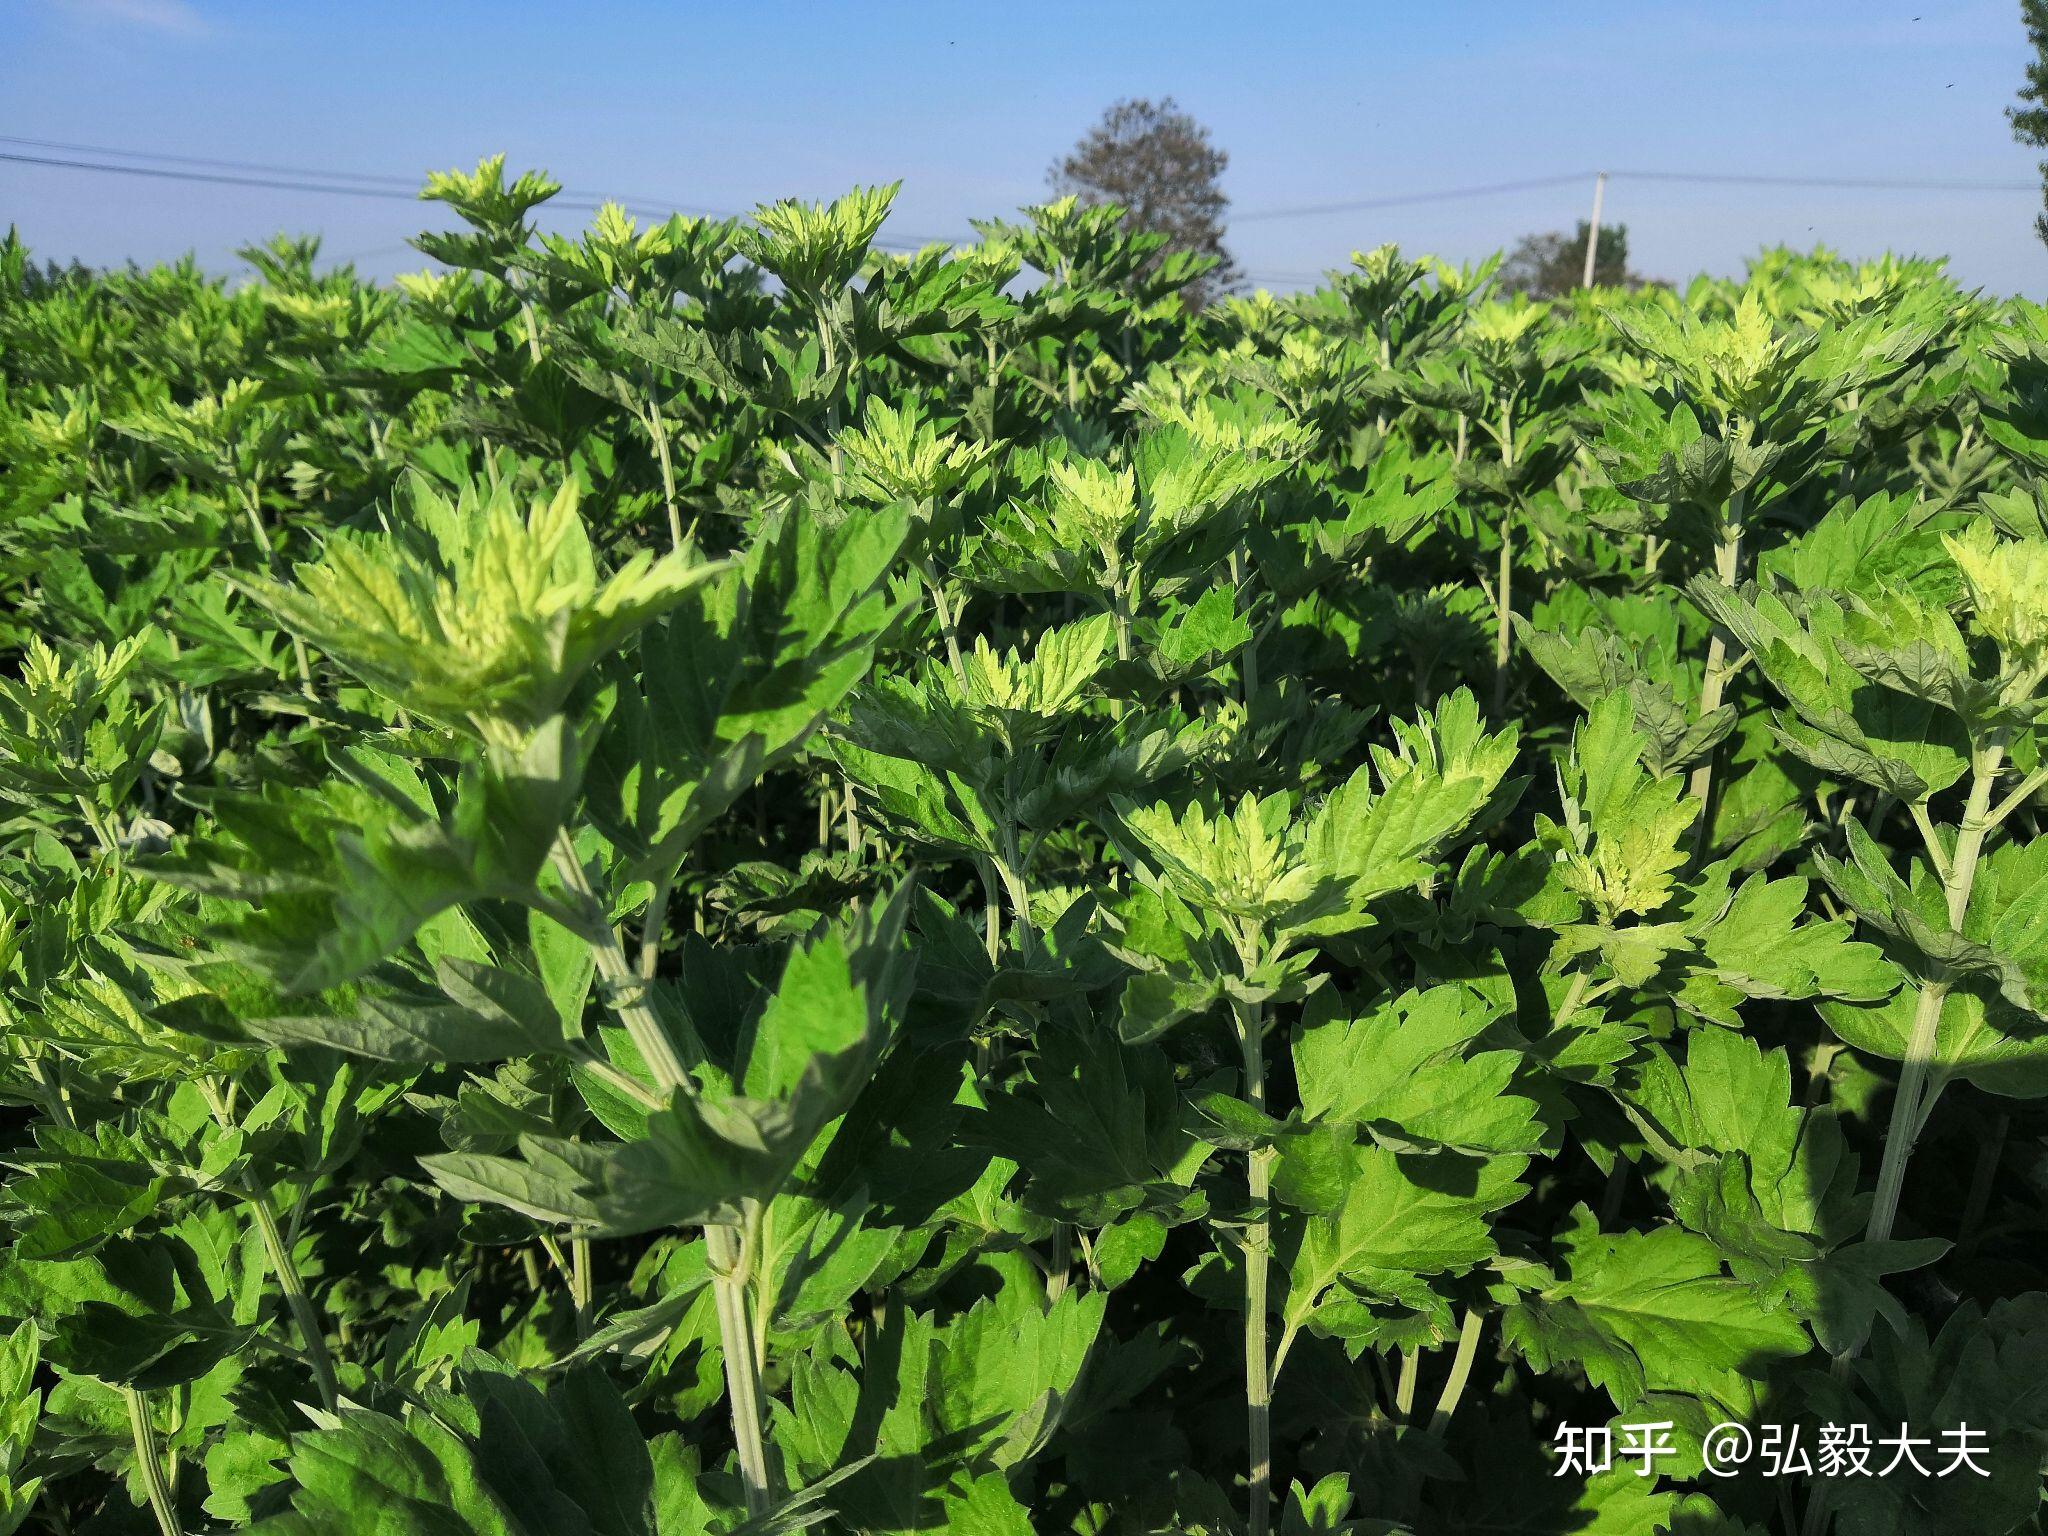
(1059, 1263)
(104, 835)
(828, 359)
(2019, 797)
(1503, 581)
(1258, 1240)
(1936, 855)
(532, 329)
(149, 1459)
(627, 989)
(652, 923)
(1469, 1330)
(992, 937)
(1727, 567)
(1122, 600)
(1909, 1103)
(658, 430)
(1574, 995)
(730, 1278)
(305, 1317)
(1020, 899)
(992, 910)
(730, 1281)
(1404, 1390)
(552, 1247)
(579, 1283)
(49, 1076)
(949, 629)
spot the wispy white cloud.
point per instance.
(180, 17)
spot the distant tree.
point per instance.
(22, 274)
(2030, 122)
(1158, 162)
(1546, 266)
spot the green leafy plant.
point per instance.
(708, 877)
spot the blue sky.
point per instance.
(724, 106)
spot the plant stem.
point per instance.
(1019, 892)
(827, 360)
(552, 1247)
(992, 910)
(579, 1283)
(1504, 578)
(651, 925)
(658, 430)
(729, 1283)
(305, 1316)
(312, 1337)
(1727, 567)
(1574, 995)
(1909, 1102)
(1059, 1262)
(627, 988)
(2026, 790)
(1501, 616)
(1937, 856)
(1120, 615)
(1470, 1327)
(986, 1046)
(1404, 1388)
(730, 1280)
(1258, 1239)
(949, 629)
(49, 1076)
(149, 1459)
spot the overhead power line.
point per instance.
(1848, 183)
(1708, 178)
(282, 178)
(411, 183)
(298, 179)
(267, 176)
(1403, 199)
(214, 178)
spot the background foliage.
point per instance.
(699, 879)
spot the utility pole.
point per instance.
(1593, 230)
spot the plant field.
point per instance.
(708, 878)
